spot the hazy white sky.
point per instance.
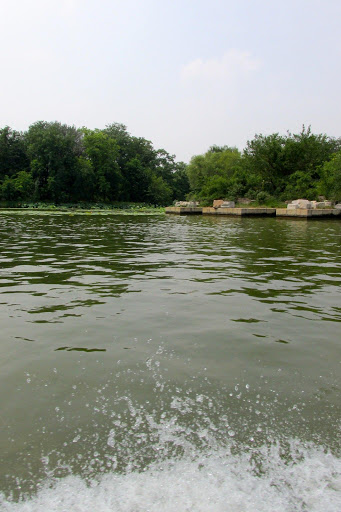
(184, 74)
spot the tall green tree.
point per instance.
(180, 182)
(102, 152)
(330, 182)
(54, 149)
(264, 157)
(13, 154)
(289, 163)
(210, 175)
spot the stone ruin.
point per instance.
(187, 204)
(221, 203)
(305, 204)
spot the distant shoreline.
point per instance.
(148, 210)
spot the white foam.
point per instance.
(218, 482)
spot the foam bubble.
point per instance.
(183, 449)
(217, 482)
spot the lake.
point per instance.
(155, 363)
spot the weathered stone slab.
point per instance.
(185, 210)
(239, 211)
(318, 204)
(185, 204)
(244, 200)
(302, 203)
(295, 212)
(308, 213)
(217, 203)
(326, 212)
(209, 210)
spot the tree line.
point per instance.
(54, 162)
(58, 163)
(274, 167)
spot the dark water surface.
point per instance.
(169, 363)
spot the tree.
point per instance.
(159, 192)
(330, 183)
(13, 155)
(53, 149)
(137, 180)
(281, 160)
(180, 182)
(102, 152)
(264, 156)
(24, 185)
(84, 186)
(8, 189)
(203, 171)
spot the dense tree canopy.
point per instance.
(13, 155)
(330, 183)
(61, 163)
(213, 174)
(289, 164)
(283, 167)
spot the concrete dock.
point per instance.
(300, 213)
(184, 210)
(311, 213)
(239, 211)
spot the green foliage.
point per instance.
(263, 197)
(8, 190)
(24, 185)
(21, 187)
(289, 163)
(264, 157)
(53, 150)
(180, 182)
(159, 192)
(60, 163)
(13, 156)
(210, 174)
(301, 184)
(330, 183)
(272, 168)
(102, 154)
(54, 162)
(215, 187)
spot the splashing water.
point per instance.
(240, 413)
(181, 450)
(219, 481)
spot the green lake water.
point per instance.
(169, 363)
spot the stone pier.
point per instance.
(239, 211)
(183, 210)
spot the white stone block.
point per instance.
(302, 203)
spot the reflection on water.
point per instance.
(155, 346)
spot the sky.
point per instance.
(185, 74)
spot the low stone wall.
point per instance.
(239, 211)
(308, 212)
(183, 210)
(300, 213)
